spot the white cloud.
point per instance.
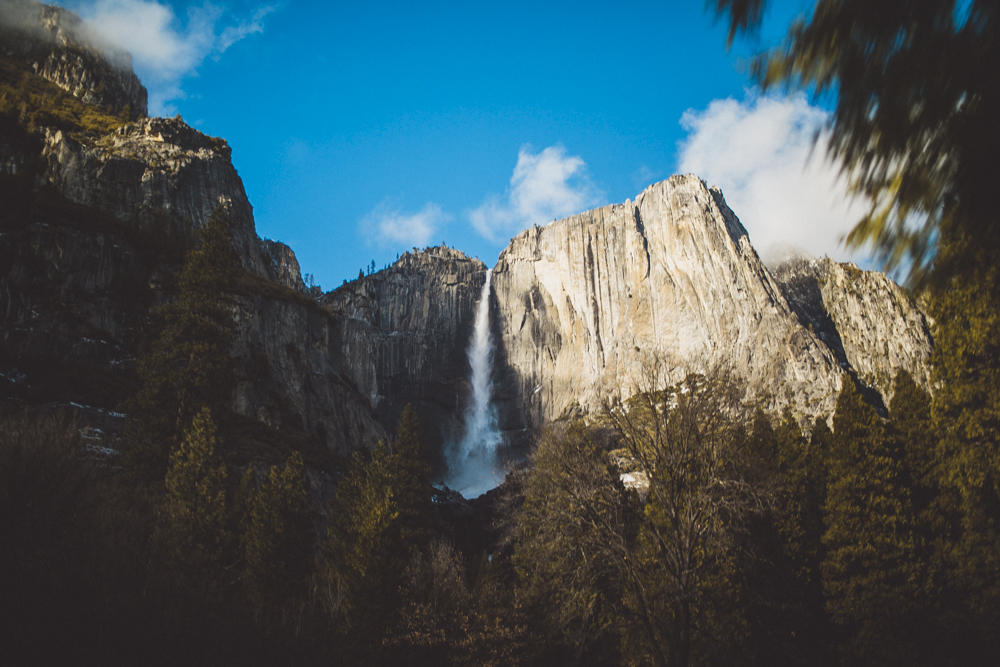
(165, 51)
(233, 34)
(785, 191)
(388, 226)
(544, 187)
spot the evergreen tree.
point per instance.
(914, 125)
(912, 429)
(872, 574)
(276, 533)
(786, 614)
(410, 476)
(378, 520)
(194, 508)
(188, 367)
(362, 552)
(573, 540)
(966, 417)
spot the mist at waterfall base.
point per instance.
(473, 467)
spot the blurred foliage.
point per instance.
(914, 126)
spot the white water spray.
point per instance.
(473, 468)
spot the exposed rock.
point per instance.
(580, 308)
(282, 265)
(588, 303)
(59, 47)
(293, 374)
(871, 324)
(87, 268)
(157, 172)
(404, 334)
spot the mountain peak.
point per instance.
(59, 46)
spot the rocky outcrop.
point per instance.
(587, 305)
(155, 173)
(91, 246)
(404, 332)
(282, 265)
(292, 373)
(58, 47)
(872, 325)
(580, 309)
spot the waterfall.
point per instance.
(473, 467)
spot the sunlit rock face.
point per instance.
(587, 305)
(580, 308)
(58, 47)
(872, 325)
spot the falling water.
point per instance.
(473, 468)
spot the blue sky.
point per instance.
(363, 129)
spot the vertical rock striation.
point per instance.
(404, 331)
(588, 303)
(872, 325)
(582, 307)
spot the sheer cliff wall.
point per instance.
(587, 305)
(405, 330)
(93, 229)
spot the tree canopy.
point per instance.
(914, 126)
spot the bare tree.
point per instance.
(690, 439)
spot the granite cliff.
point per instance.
(587, 304)
(58, 47)
(92, 234)
(405, 330)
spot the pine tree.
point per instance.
(411, 487)
(785, 599)
(276, 533)
(912, 428)
(362, 553)
(194, 509)
(188, 366)
(378, 520)
(914, 126)
(872, 574)
(966, 417)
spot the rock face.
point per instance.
(872, 325)
(98, 231)
(587, 305)
(404, 333)
(59, 48)
(156, 172)
(282, 265)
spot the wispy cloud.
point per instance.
(388, 226)
(760, 152)
(544, 186)
(166, 50)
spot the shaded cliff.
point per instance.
(404, 332)
(96, 223)
(94, 228)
